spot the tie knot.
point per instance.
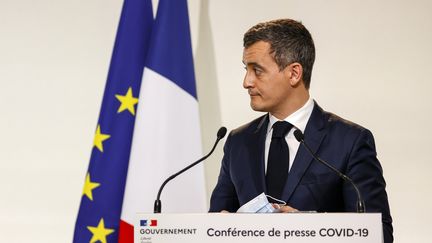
(281, 129)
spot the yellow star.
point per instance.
(100, 232)
(99, 138)
(127, 102)
(89, 186)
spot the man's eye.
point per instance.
(257, 71)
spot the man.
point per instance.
(264, 156)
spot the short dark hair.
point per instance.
(289, 41)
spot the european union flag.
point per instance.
(101, 204)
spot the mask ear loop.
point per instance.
(277, 200)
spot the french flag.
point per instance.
(167, 128)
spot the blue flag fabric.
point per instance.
(101, 204)
(171, 49)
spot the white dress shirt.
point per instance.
(299, 120)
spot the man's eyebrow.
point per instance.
(254, 64)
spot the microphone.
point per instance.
(158, 204)
(360, 203)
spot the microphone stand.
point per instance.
(361, 208)
(158, 203)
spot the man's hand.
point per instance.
(284, 208)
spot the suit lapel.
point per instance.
(314, 134)
(256, 145)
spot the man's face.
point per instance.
(269, 88)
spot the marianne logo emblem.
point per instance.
(150, 230)
(146, 222)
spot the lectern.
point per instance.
(266, 228)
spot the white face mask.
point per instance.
(259, 204)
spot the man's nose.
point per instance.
(248, 80)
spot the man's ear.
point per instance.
(295, 73)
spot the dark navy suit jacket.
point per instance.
(310, 185)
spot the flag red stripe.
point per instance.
(126, 232)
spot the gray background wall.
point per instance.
(372, 67)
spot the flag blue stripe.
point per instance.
(110, 167)
(170, 52)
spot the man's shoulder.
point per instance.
(252, 126)
(340, 133)
(338, 121)
(340, 125)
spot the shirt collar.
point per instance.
(298, 119)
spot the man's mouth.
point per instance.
(252, 93)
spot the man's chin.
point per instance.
(257, 107)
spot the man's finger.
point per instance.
(287, 209)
